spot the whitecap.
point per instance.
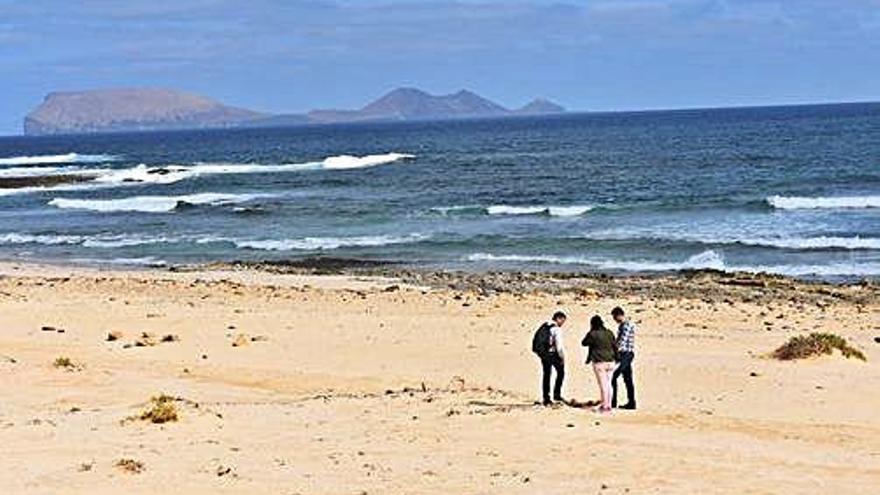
(65, 158)
(46, 239)
(38, 171)
(850, 243)
(794, 243)
(705, 260)
(343, 162)
(325, 243)
(151, 204)
(556, 211)
(169, 174)
(830, 202)
(147, 261)
(710, 260)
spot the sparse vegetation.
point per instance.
(65, 363)
(162, 409)
(131, 466)
(816, 344)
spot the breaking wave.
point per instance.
(497, 210)
(792, 243)
(147, 261)
(704, 260)
(49, 159)
(169, 174)
(326, 243)
(344, 162)
(105, 241)
(553, 211)
(152, 204)
(707, 260)
(830, 202)
(38, 171)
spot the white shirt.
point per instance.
(556, 338)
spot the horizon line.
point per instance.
(561, 114)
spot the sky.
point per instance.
(292, 56)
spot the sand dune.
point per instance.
(339, 384)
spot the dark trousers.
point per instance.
(549, 363)
(624, 369)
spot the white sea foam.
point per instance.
(169, 174)
(109, 242)
(39, 189)
(555, 211)
(45, 239)
(151, 204)
(343, 162)
(830, 202)
(851, 243)
(37, 171)
(705, 260)
(446, 210)
(795, 243)
(65, 158)
(325, 243)
(174, 173)
(829, 270)
(100, 240)
(149, 261)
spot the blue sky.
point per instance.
(290, 56)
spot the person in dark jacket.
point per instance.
(552, 357)
(602, 354)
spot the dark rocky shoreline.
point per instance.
(707, 285)
(43, 181)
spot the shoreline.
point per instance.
(703, 284)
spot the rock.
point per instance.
(114, 335)
(877, 340)
(146, 340)
(170, 338)
(392, 288)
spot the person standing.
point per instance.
(602, 354)
(547, 344)
(626, 350)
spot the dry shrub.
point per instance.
(130, 466)
(65, 363)
(816, 344)
(162, 409)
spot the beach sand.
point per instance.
(351, 384)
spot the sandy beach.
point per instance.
(399, 383)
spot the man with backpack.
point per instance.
(547, 344)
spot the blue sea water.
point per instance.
(789, 190)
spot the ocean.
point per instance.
(785, 190)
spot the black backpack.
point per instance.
(542, 342)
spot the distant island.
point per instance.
(151, 109)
